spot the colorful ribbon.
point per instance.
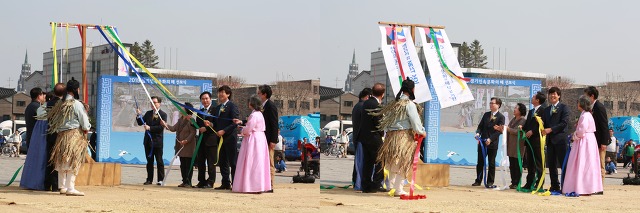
(564, 162)
(395, 46)
(166, 176)
(542, 144)
(54, 76)
(521, 136)
(484, 158)
(442, 62)
(158, 84)
(416, 156)
(13, 178)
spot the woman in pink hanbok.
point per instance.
(252, 168)
(583, 166)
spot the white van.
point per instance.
(334, 129)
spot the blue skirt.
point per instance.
(33, 172)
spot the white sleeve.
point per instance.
(414, 118)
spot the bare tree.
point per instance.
(621, 97)
(559, 81)
(298, 92)
(231, 81)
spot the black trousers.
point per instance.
(372, 173)
(185, 170)
(227, 161)
(491, 153)
(205, 161)
(534, 163)
(50, 175)
(152, 153)
(514, 167)
(93, 150)
(555, 157)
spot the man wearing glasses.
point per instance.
(153, 145)
(488, 132)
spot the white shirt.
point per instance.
(279, 144)
(613, 146)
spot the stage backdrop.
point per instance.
(450, 131)
(119, 137)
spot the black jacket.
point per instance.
(208, 137)
(532, 125)
(30, 118)
(369, 132)
(486, 130)
(156, 130)
(356, 113)
(270, 113)
(558, 122)
(602, 123)
(225, 122)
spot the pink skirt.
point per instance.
(583, 167)
(253, 168)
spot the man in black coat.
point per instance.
(37, 99)
(51, 178)
(206, 156)
(153, 145)
(225, 112)
(270, 113)
(371, 139)
(534, 152)
(356, 113)
(488, 130)
(556, 119)
(599, 113)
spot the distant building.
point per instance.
(337, 108)
(353, 72)
(36, 79)
(13, 104)
(290, 97)
(24, 74)
(361, 81)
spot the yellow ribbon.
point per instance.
(542, 143)
(117, 41)
(55, 57)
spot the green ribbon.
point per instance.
(14, 176)
(522, 136)
(332, 186)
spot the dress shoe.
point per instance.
(554, 189)
(513, 186)
(147, 183)
(269, 191)
(526, 186)
(223, 187)
(63, 191)
(599, 193)
(204, 186)
(476, 184)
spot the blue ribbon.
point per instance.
(566, 158)
(484, 157)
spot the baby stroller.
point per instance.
(635, 168)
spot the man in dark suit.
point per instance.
(52, 179)
(356, 113)
(153, 145)
(534, 153)
(206, 157)
(371, 139)
(556, 119)
(37, 98)
(270, 113)
(602, 125)
(488, 131)
(226, 127)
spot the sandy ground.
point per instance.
(137, 198)
(476, 199)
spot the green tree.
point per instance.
(136, 51)
(478, 59)
(149, 58)
(464, 55)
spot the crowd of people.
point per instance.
(546, 134)
(57, 127)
